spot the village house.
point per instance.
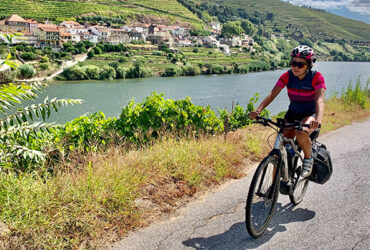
(177, 30)
(118, 36)
(159, 34)
(182, 42)
(225, 48)
(137, 36)
(14, 24)
(102, 32)
(216, 26)
(49, 35)
(33, 24)
(70, 24)
(87, 36)
(65, 37)
(232, 41)
(210, 41)
(143, 28)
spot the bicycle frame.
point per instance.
(279, 145)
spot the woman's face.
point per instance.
(300, 69)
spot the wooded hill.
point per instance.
(284, 18)
(275, 16)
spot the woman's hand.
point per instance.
(314, 124)
(253, 114)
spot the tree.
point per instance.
(231, 29)
(91, 54)
(248, 27)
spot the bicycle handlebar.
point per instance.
(281, 123)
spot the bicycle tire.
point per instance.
(262, 196)
(301, 184)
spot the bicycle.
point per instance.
(279, 172)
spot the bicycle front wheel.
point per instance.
(262, 196)
(300, 184)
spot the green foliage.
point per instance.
(231, 29)
(248, 27)
(172, 70)
(357, 95)
(107, 73)
(155, 115)
(138, 71)
(26, 71)
(307, 42)
(91, 54)
(19, 134)
(44, 66)
(86, 133)
(200, 32)
(191, 70)
(28, 56)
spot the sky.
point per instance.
(353, 9)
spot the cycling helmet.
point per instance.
(303, 51)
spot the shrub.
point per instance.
(91, 54)
(107, 73)
(172, 71)
(7, 76)
(98, 50)
(92, 72)
(75, 73)
(191, 70)
(44, 59)
(44, 66)
(120, 72)
(157, 53)
(87, 132)
(142, 121)
(114, 65)
(122, 60)
(26, 71)
(28, 56)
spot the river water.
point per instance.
(218, 91)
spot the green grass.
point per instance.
(76, 207)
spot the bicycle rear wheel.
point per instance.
(300, 184)
(262, 196)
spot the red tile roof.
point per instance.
(15, 18)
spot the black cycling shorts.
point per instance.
(291, 117)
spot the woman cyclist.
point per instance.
(306, 91)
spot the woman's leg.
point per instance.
(305, 143)
(303, 137)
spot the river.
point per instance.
(218, 91)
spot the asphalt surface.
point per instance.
(335, 215)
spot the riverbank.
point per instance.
(98, 196)
(139, 61)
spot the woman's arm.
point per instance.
(320, 103)
(274, 92)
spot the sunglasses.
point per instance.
(297, 64)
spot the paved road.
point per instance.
(332, 216)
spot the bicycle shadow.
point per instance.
(238, 238)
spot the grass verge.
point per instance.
(101, 196)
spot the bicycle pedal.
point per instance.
(286, 188)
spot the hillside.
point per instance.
(165, 11)
(298, 22)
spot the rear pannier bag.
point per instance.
(322, 165)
